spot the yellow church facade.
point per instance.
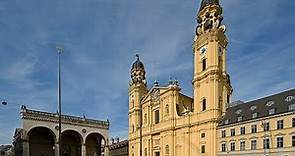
(165, 122)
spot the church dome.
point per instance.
(208, 2)
(137, 64)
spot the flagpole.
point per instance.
(59, 52)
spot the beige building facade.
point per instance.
(165, 122)
(261, 127)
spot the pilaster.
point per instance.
(56, 149)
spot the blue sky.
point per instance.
(101, 38)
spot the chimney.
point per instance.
(112, 140)
(117, 139)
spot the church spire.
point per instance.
(210, 60)
(211, 82)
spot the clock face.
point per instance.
(203, 50)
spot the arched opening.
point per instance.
(204, 104)
(204, 64)
(71, 142)
(41, 141)
(95, 144)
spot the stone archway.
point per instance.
(41, 142)
(95, 144)
(71, 143)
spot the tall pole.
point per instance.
(59, 52)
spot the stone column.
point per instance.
(56, 149)
(26, 147)
(106, 150)
(83, 149)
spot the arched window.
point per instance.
(203, 149)
(167, 150)
(204, 64)
(204, 104)
(167, 109)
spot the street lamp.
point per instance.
(60, 50)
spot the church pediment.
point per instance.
(154, 94)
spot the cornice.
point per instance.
(213, 35)
(66, 119)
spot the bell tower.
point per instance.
(137, 89)
(212, 88)
(211, 82)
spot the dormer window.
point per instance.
(254, 115)
(289, 98)
(272, 111)
(240, 118)
(239, 111)
(292, 107)
(253, 108)
(270, 103)
(226, 121)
